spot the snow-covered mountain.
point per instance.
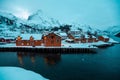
(8, 24)
(42, 20)
(85, 28)
(114, 30)
(7, 19)
(36, 23)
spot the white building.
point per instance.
(63, 35)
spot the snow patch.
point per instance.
(15, 73)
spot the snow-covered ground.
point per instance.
(101, 43)
(77, 45)
(113, 41)
(65, 45)
(15, 73)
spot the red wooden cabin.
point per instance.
(29, 40)
(103, 38)
(51, 39)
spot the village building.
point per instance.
(70, 36)
(103, 38)
(69, 40)
(63, 35)
(75, 32)
(91, 39)
(84, 38)
(29, 40)
(51, 40)
(95, 39)
(7, 39)
(2, 40)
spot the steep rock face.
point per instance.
(42, 20)
(7, 22)
(7, 19)
(117, 34)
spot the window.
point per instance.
(22, 44)
(27, 43)
(57, 40)
(52, 37)
(19, 42)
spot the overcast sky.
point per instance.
(98, 13)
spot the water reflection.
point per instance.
(49, 59)
(52, 58)
(20, 58)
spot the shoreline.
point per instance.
(49, 49)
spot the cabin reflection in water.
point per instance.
(52, 58)
(20, 58)
(49, 59)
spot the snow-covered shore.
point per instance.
(15, 73)
(113, 41)
(68, 45)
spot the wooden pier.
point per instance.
(48, 50)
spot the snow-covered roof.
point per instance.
(93, 37)
(74, 30)
(69, 39)
(27, 36)
(1, 36)
(77, 36)
(105, 36)
(45, 34)
(63, 34)
(86, 36)
(7, 37)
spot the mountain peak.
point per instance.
(41, 18)
(7, 15)
(39, 12)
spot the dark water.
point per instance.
(104, 65)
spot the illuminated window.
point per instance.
(44, 37)
(27, 43)
(22, 44)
